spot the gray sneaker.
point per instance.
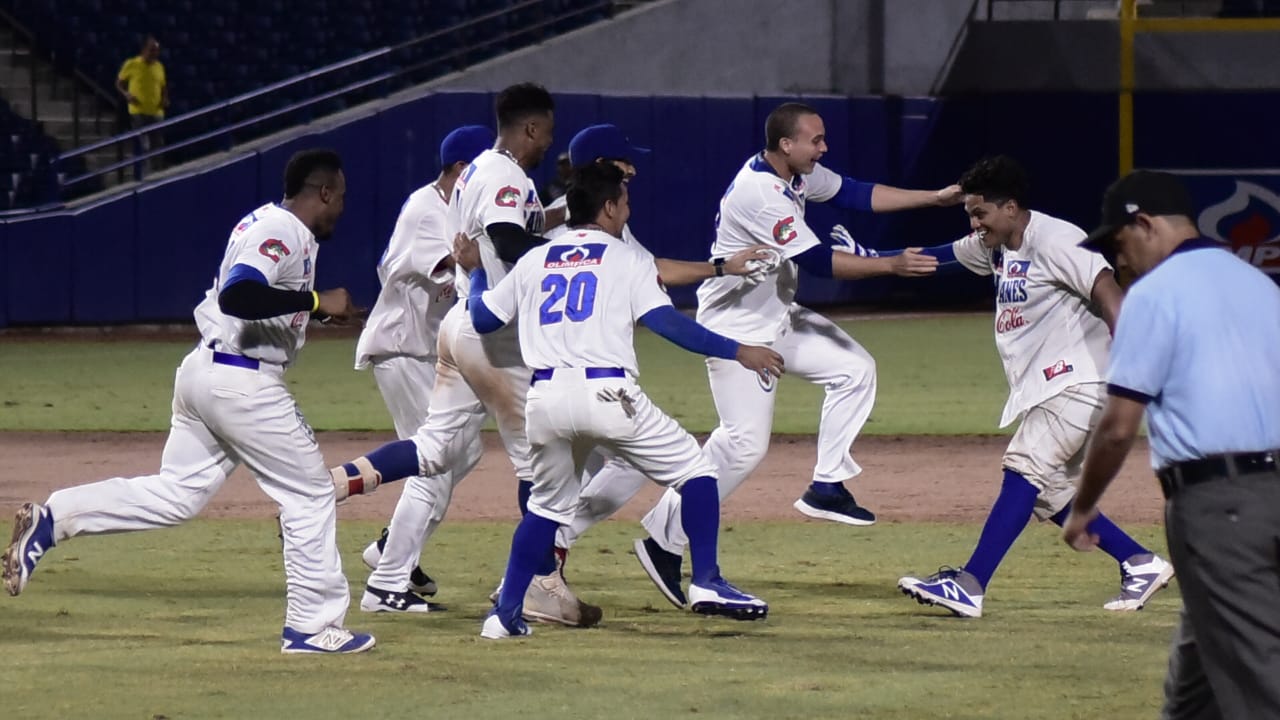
(550, 599)
(1141, 576)
(954, 589)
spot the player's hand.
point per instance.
(950, 195)
(335, 307)
(754, 262)
(762, 361)
(913, 263)
(1075, 531)
(846, 243)
(466, 252)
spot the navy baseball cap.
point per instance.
(1141, 191)
(465, 143)
(602, 141)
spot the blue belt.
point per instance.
(233, 360)
(592, 373)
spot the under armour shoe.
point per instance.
(419, 581)
(719, 597)
(663, 569)
(379, 600)
(838, 506)
(329, 641)
(32, 538)
(549, 599)
(954, 589)
(495, 628)
(1141, 576)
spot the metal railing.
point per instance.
(382, 71)
(81, 85)
(1053, 9)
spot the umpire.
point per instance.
(1196, 347)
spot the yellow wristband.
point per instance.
(316, 297)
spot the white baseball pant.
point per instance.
(224, 416)
(1049, 445)
(406, 384)
(568, 418)
(814, 349)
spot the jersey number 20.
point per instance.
(577, 292)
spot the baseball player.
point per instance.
(580, 297)
(1056, 305)
(399, 343)
(231, 406)
(765, 204)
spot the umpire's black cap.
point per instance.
(1141, 191)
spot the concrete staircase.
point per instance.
(53, 105)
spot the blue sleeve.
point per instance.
(670, 324)
(241, 272)
(853, 195)
(945, 253)
(817, 261)
(482, 318)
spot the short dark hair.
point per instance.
(306, 162)
(996, 179)
(517, 102)
(590, 187)
(781, 123)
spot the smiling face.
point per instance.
(995, 220)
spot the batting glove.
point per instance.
(846, 243)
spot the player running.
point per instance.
(1056, 306)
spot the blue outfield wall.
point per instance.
(149, 254)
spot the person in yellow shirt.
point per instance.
(142, 82)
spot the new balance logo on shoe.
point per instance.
(1137, 585)
(950, 590)
(35, 553)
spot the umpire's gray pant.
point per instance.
(1224, 539)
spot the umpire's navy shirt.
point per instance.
(1198, 340)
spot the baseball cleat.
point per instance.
(329, 641)
(495, 629)
(838, 506)
(378, 600)
(663, 569)
(419, 581)
(719, 597)
(549, 599)
(956, 590)
(1141, 576)
(32, 538)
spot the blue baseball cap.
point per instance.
(465, 143)
(602, 141)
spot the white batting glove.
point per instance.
(846, 243)
(757, 270)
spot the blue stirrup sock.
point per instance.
(548, 564)
(394, 461)
(531, 544)
(1005, 522)
(700, 515)
(1113, 541)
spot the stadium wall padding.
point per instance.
(150, 253)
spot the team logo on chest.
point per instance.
(508, 197)
(784, 230)
(560, 257)
(273, 249)
(1011, 285)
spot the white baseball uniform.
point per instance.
(399, 341)
(1054, 349)
(579, 298)
(230, 406)
(759, 208)
(475, 372)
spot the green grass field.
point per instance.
(184, 623)
(937, 376)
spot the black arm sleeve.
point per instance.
(250, 300)
(512, 241)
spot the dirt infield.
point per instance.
(904, 479)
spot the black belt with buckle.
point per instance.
(1191, 472)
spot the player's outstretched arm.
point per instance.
(886, 198)
(675, 273)
(822, 261)
(247, 295)
(688, 334)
